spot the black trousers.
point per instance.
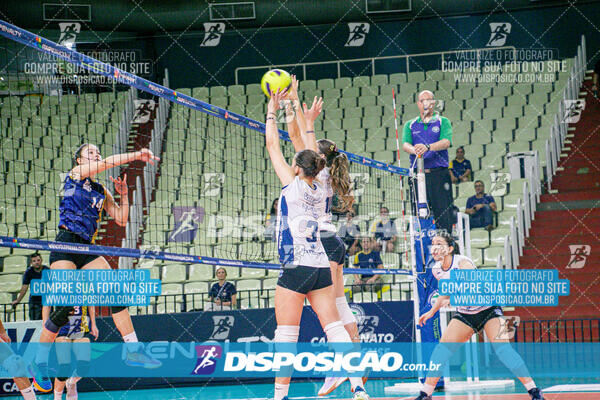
(439, 198)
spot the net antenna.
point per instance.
(404, 239)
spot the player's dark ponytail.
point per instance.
(310, 162)
(449, 239)
(339, 172)
(78, 153)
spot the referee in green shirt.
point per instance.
(429, 135)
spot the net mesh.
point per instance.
(210, 195)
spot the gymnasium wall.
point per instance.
(556, 30)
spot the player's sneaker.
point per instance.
(331, 383)
(40, 382)
(360, 394)
(423, 396)
(536, 394)
(141, 359)
(71, 389)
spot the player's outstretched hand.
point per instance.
(146, 155)
(292, 92)
(313, 112)
(274, 101)
(120, 184)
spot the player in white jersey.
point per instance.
(336, 180)
(468, 321)
(305, 268)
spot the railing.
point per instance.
(373, 60)
(558, 131)
(565, 330)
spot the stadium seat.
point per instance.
(398, 78)
(490, 256)
(480, 238)
(173, 273)
(379, 80)
(10, 282)
(416, 76)
(498, 236)
(361, 81)
(323, 84)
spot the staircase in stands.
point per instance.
(569, 215)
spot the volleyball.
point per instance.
(275, 79)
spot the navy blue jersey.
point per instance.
(79, 322)
(81, 207)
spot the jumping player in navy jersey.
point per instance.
(80, 214)
(336, 180)
(81, 325)
(467, 321)
(305, 272)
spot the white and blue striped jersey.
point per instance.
(298, 238)
(325, 217)
(439, 274)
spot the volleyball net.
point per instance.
(208, 200)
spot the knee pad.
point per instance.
(83, 367)
(346, 314)
(58, 318)
(336, 332)
(117, 309)
(511, 359)
(287, 334)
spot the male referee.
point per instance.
(429, 135)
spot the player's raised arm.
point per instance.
(282, 168)
(311, 115)
(292, 116)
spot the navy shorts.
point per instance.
(303, 279)
(478, 321)
(334, 247)
(78, 259)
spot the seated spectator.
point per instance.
(33, 272)
(350, 233)
(222, 293)
(271, 222)
(480, 208)
(384, 231)
(368, 258)
(460, 167)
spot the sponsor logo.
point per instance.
(317, 362)
(187, 220)
(254, 125)
(508, 327)
(579, 255)
(222, 324)
(143, 111)
(185, 102)
(68, 33)
(229, 116)
(360, 180)
(435, 129)
(358, 33)
(500, 181)
(499, 34)
(573, 110)
(207, 359)
(10, 31)
(38, 41)
(212, 34)
(212, 183)
(155, 88)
